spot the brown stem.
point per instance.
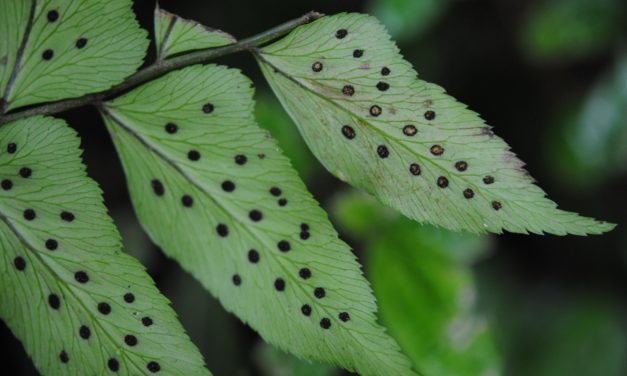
(162, 67)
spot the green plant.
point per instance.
(215, 192)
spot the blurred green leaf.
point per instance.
(274, 362)
(576, 334)
(593, 142)
(136, 242)
(405, 19)
(570, 29)
(272, 117)
(585, 338)
(426, 297)
(364, 217)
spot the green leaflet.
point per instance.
(273, 362)
(214, 192)
(174, 35)
(56, 49)
(407, 19)
(592, 143)
(372, 123)
(78, 303)
(450, 338)
(585, 28)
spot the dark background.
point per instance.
(544, 74)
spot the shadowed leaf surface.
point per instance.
(214, 192)
(78, 303)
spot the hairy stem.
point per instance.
(162, 67)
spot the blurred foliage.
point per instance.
(571, 29)
(271, 116)
(584, 338)
(577, 334)
(425, 287)
(556, 306)
(592, 144)
(274, 362)
(406, 19)
(136, 241)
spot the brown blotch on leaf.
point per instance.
(468, 193)
(358, 53)
(341, 33)
(385, 71)
(437, 150)
(430, 115)
(488, 179)
(487, 131)
(348, 90)
(442, 182)
(496, 205)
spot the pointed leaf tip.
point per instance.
(371, 122)
(175, 35)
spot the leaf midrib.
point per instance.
(225, 211)
(57, 278)
(477, 188)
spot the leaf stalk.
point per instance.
(161, 67)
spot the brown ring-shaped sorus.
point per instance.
(409, 130)
(375, 110)
(437, 150)
(317, 66)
